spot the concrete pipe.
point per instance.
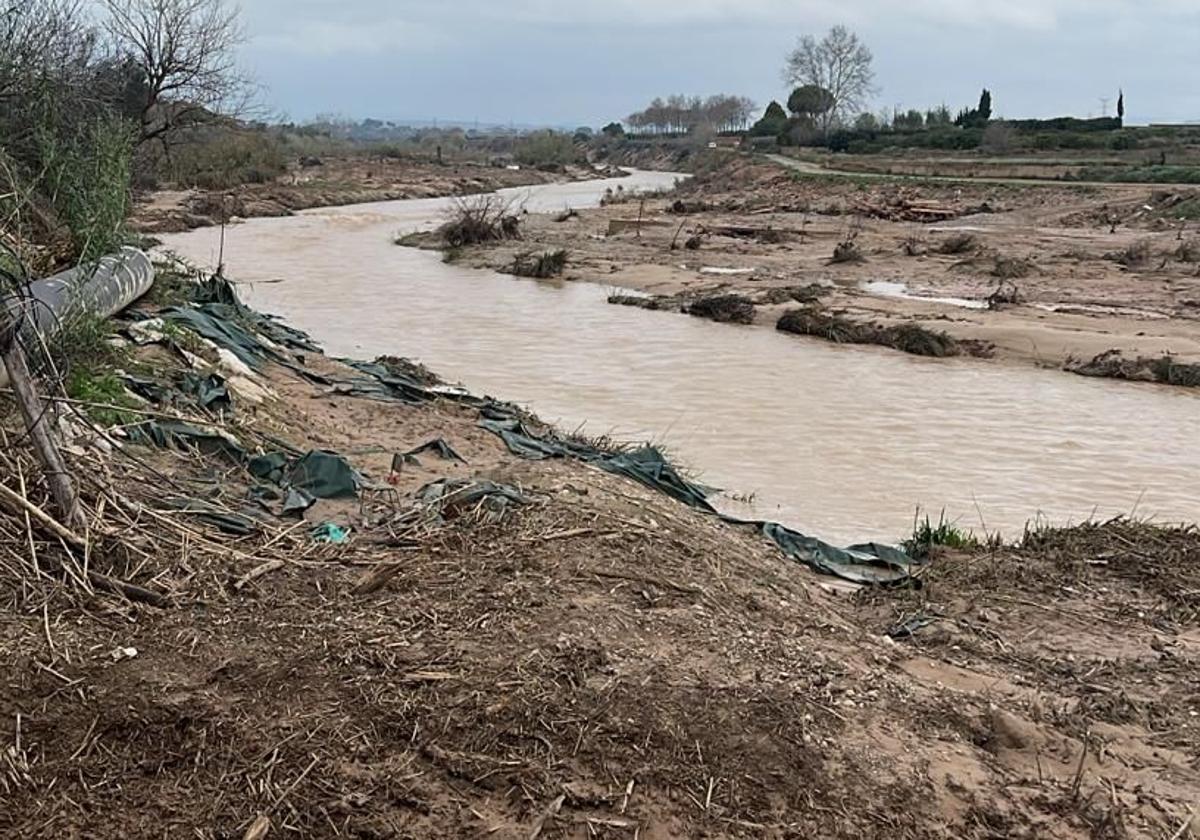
(103, 289)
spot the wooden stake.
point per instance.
(34, 413)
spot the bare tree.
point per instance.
(185, 51)
(840, 64)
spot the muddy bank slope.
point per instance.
(466, 642)
(334, 182)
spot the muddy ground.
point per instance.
(330, 182)
(1076, 270)
(600, 662)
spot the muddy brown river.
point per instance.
(842, 442)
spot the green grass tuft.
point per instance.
(926, 536)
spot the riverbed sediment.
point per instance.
(1051, 275)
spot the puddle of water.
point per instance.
(841, 442)
(888, 288)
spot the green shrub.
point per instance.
(220, 157)
(546, 148)
(87, 183)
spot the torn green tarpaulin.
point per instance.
(218, 289)
(177, 434)
(281, 502)
(209, 390)
(867, 564)
(148, 389)
(324, 475)
(217, 314)
(269, 467)
(381, 383)
(439, 447)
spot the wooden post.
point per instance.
(35, 414)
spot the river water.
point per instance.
(841, 442)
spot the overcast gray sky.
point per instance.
(584, 62)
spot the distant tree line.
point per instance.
(681, 114)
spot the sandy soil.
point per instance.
(336, 181)
(603, 662)
(1094, 268)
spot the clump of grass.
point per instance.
(918, 341)
(725, 309)
(960, 243)
(103, 394)
(478, 220)
(927, 536)
(1012, 268)
(540, 266)
(87, 342)
(84, 351)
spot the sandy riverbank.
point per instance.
(1091, 269)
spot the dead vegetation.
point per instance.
(810, 293)
(1013, 268)
(915, 246)
(908, 338)
(724, 309)
(1188, 251)
(478, 220)
(1164, 369)
(542, 265)
(959, 244)
(848, 251)
(1134, 255)
(652, 302)
(1007, 293)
